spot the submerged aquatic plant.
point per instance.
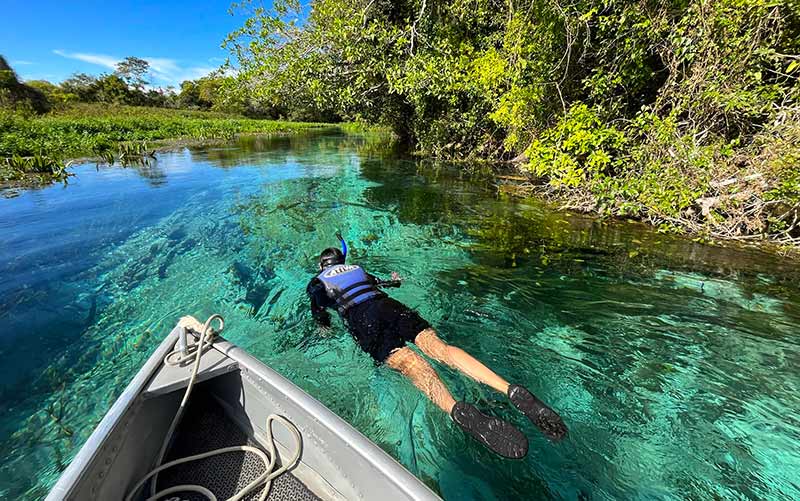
(36, 164)
(127, 154)
(107, 156)
(135, 154)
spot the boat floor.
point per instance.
(205, 426)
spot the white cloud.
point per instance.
(21, 63)
(164, 71)
(162, 64)
(98, 59)
(170, 72)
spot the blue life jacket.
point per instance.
(348, 285)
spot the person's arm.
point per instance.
(316, 292)
(394, 282)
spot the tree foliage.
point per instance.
(80, 85)
(15, 94)
(203, 93)
(133, 71)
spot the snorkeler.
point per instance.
(382, 326)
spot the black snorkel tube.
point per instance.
(344, 246)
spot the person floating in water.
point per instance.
(382, 326)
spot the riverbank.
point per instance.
(36, 150)
(751, 215)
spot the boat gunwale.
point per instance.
(88, 452)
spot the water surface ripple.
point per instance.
(674, 364)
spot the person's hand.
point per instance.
(396, 276)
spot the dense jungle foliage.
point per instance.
(682, 112)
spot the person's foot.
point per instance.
(545, 418)
(499, 436)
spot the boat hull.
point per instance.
(337, 462)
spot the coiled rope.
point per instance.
(269, 458)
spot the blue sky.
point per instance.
(52, 39)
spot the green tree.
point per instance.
(284, 63)
(484, 78)
(189, 96)
(133, 71)
(82, 85)
(208, 89)
(203, 93)
(17, 95)
(55, 94)
(113, 89)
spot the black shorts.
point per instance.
(382, 325)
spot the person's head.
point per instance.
(330, 257)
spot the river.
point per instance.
(676, 365)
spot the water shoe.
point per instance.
(545, 418)
(499, 436)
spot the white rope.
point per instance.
(190, 354)
(269, 458)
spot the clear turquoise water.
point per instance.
(676, 365)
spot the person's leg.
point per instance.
(545, 418)
(422, 375)
(498, 435)
(455, 357)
